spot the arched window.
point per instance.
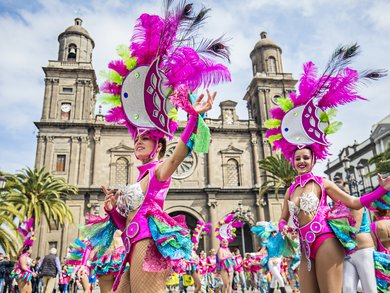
(122, 171)
(232, 173)
(271, 65)
(72, 52)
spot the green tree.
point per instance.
(36, 192)
(382, 163)
(280, 174)
(10, 239)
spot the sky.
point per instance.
(305, 30)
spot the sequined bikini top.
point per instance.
(308, 202)
(130, 199)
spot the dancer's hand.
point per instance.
(110, 199)
(202, 107)
(385, 183)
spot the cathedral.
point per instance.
(77, 144)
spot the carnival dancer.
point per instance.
(238, 270)
(193, 264)
(211, 262)
(192, 268)
(158, 72)
(359, 264)
(226, 231)
(299, 128)
(380, 230)
(23, 273)
(275, 245)
(202, 270)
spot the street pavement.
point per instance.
(191, 290)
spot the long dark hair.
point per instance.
(24, 249)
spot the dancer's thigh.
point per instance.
(141, 281)
(307, 279)
(105, 283)
(329, 266)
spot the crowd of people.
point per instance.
(137, 245)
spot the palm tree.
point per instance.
(280, 174)
(382, 163)
(10, 238)
(35, 192)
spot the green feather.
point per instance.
(327, 116)
(272, 138)
(324, 117)
(124, 52)
(114, 100)
(285, 104)
(333, 127)
(112, 76)
(272, 123)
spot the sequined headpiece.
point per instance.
(200, 229)
(164, 63)
(26, 228)
(305, 119)
(226, 228)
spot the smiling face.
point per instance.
(303, 161)
(144, 146)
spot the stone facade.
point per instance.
(76, 143)
(359, 155)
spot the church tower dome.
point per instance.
(76, 44)
(266, 56)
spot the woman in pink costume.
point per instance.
(23, 273)
(146, 198)
(225, 265)
(299, 129)
(380, 231)
(211, 262)
(158, 72)
(225, 232)
(238, 270)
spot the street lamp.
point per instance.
(243, 216)
(352, 183)
(360, 168)
(3, 180)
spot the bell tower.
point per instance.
(269, 82)
(70, 81)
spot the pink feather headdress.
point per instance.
(304, 119)
(200, 229)
(226, 228)
(26, 228)
(163, 64)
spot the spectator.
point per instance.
(2, 272)
(9, 266)
(49, 268)
(64, 281)
(37, 281)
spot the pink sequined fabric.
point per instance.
(154, 261)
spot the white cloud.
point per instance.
(305, 30)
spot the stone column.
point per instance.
(86, 100)
(48, 162)
(40, 155)
(74, 151)
(54, 99)
(82, 162)
(96, 156)
(255, 158)
(47, 98)
(212, 203)
(79, 99)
